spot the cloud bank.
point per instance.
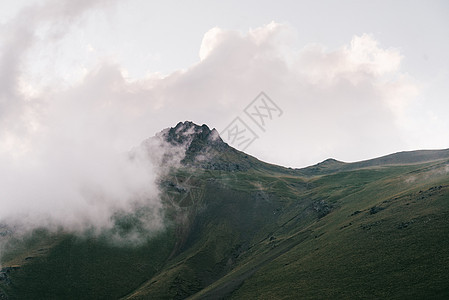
(59, 164)
(63, 146)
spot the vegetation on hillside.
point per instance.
(239, 228)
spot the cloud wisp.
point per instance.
(59, 164)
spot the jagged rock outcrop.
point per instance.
(204, 148)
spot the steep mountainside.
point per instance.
(240, 228)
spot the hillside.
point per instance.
(239, 228)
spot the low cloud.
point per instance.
(349, 103)
(433, 173)
(64, 149)
(60, 162)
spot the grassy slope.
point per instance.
(382, 238)
(398, 249)
(268, 232)
(88, 268)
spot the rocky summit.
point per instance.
(197, 139)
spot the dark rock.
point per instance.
(223, 166)
(4, 277)
(345, 226)
(174, 186)
(403, 225)
(3, 296)
(9, 269)
(375, 209)
(322, 208)
(369, 226)
(196, 138)
(204, 147)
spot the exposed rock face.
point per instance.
(4, 276)
(204, 147)
(197, 139)
(5, 230)
(322, 208)
(184, 131)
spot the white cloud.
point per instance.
(60, 145)
(59, 161)
(210, 41)
(348, 103)
(365, 54)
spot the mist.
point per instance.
(61, 163)
(72, 121)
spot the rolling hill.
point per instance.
(240, 228)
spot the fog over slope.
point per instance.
(60, 164)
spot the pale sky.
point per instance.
(152, 42)
(82, 82)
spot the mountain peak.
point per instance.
(329, 161)
(197, 139)
(189, 132)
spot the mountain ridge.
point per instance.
(202, 133)
(397, 158)
(240, 228)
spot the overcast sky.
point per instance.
(355, 79)
(82, 82)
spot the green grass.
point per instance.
(89, 268)
(340, 232)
